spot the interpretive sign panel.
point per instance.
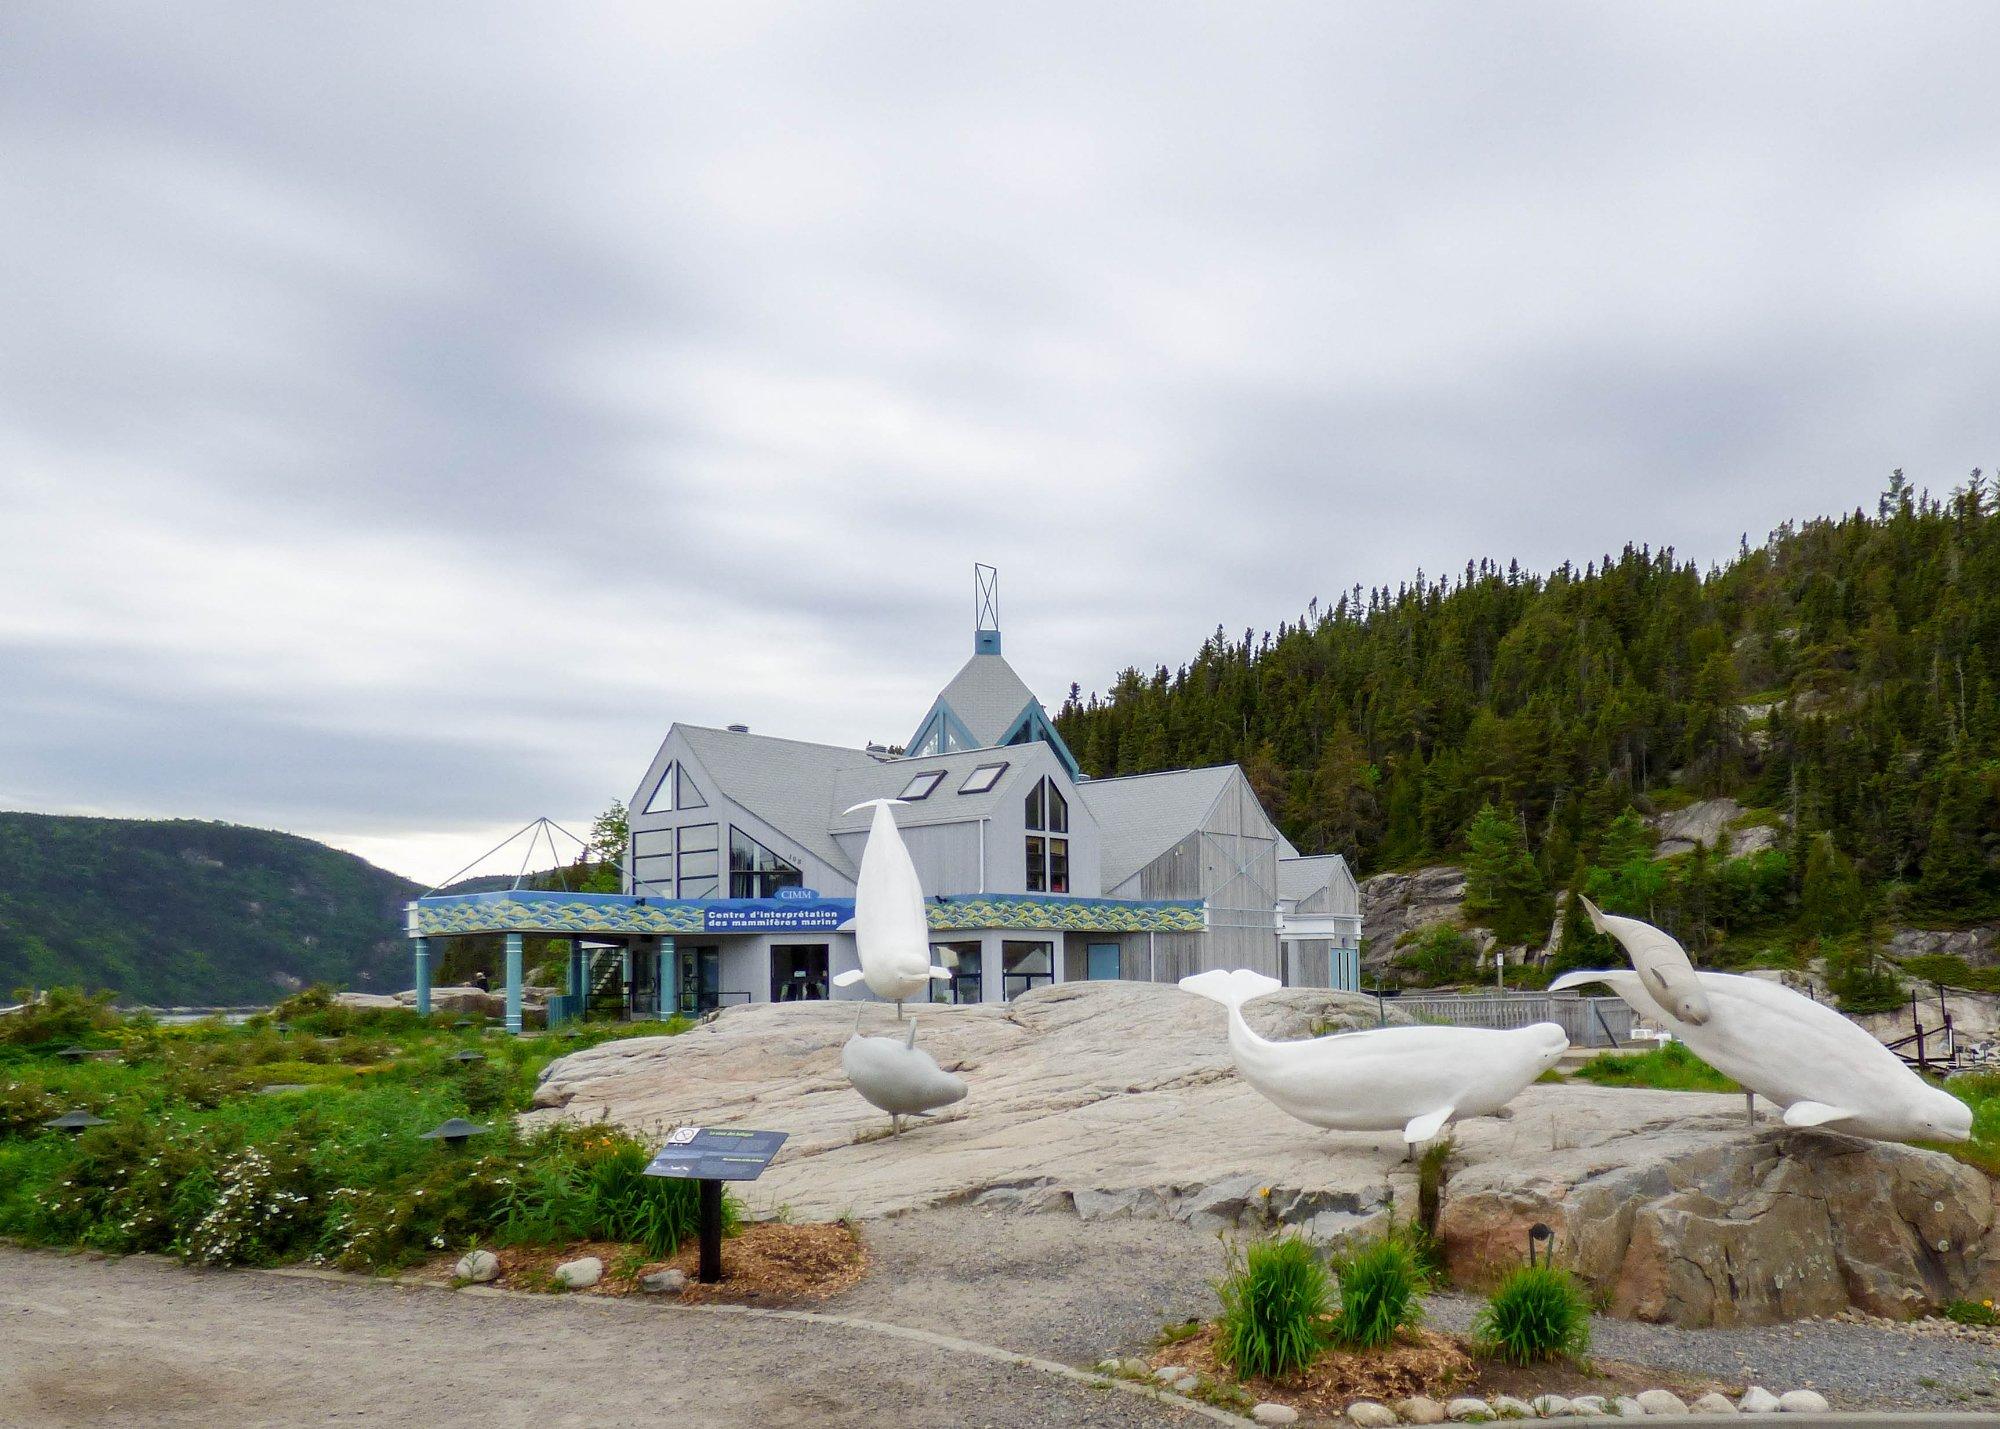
(716, 1153)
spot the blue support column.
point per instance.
(514, 983)
(423, 984)
(669, 984)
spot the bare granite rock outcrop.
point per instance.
(1704, 823)
(1396, 904)
(1695, 1226)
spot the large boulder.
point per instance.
(1688, 1226)
(1394, 905)
(1979, 946)
(1704, 822)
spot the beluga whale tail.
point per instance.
(1418, 1079)
(891, 936)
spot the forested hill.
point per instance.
(1842, 679)
(185, 912)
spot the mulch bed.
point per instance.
(767, 1263)
(1425, 1362)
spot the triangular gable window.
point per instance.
(675, 791)
(662, 801)
(690, 797)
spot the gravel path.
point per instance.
(1856, 1366)
(89, 1342)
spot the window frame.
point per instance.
(999, 771)
(935, 778)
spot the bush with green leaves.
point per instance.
(1539, 1312)
(1381, 1292)
(59, 1015)
(1275, 1307)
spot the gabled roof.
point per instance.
(1141, 816)
(785, 782)
(1301, 878)
(987, 696)
(945, 804)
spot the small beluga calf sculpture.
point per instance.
(897, 1076)
(1417, 1079)
(890, 934)
(1815, 1064)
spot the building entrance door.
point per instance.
(798, 972)
(700, 978)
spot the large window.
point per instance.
(1048, 855)
(674, 791)
(1024, 966)
(756, 872)
(982, 778)
(921, 785)
(962, 959)
(697, 866)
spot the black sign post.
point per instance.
(708, 1156)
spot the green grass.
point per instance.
(1274, 1308)
(1381, 1289)
(1671, 1068)
(1538, 1313)
(196, 1161)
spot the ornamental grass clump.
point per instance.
(1538, 1313)
(1274, 1309)
(1381, 1285)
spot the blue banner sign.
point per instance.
(716, 1153)
(775, 915)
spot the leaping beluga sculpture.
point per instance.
(1418, 1079)
(890, 935)
(1808, 1059)
(897, 1076)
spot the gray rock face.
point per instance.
(1978, 946)
(1704, 823)
(580, 1274)
(1393, 904)
(478, 1266)
(1681, 1224)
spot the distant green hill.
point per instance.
(186, 912)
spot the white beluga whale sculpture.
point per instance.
(1418, 1079)
(1661, 963)
(1815, 1064)
(890, 934)
(894, 1074)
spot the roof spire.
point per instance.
(985, 609)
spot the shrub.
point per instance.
(1380, 1286)
(1439, 954)
(1538, 1313)
(1274, 1308)
(24, 1107)
(1972, 1312)
(590, 1184)
(62, 1014)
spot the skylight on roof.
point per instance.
(983, 778)
(922, 785)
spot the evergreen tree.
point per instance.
(1503, 888)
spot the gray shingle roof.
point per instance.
(786, 782)
(987, 696)
(1141, 816)
(1300, 878)
(945, 804)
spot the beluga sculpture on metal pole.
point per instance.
(897, 1076)
(1418, 1079)
(890, 934)
(1815, 1064)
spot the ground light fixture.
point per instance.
(454, 1132)
(75, 1122)
(467, 1057)
(74, 1054)
(1540, 1238)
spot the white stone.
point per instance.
(1626, 1407)
(664, 1282)
(1468, 1408)
(1758, 1400)
(1660, 1401)
(1802, 1401)
(1370, 1415)
(1550, 1406)
(580, 1274)
(478, 1266)
(1268, 1413)
(1420, 1409)
(1506, 1406)
(1187, 1384)
(1713, 1403)
(1168, 1373)
(1592, 1404)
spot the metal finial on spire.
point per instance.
(985, 609)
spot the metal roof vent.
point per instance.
(739, 729)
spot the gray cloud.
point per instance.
(404, 415)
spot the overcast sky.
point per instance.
(408, 411)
